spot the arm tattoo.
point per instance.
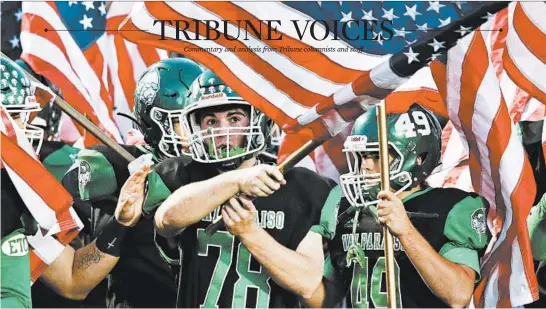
(89, 258)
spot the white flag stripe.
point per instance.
(518, 284)
(383, 77)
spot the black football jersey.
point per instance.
(451, 220)
(219, 271)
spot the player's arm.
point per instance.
(331, 290)
(536, 223)
(192, 202)
(76, 272)
(452, 283)
(299, 271)
(450, 274)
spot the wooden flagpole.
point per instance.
(385, 186)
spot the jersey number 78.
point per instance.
(247, 278)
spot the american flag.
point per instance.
(95, 69)
(46, 199)
(287, 85)
(498, 165)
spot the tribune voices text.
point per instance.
(268, 29)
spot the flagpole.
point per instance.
(292, 160)
(385, 186)
(82, 120)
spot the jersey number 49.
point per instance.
(363, 285)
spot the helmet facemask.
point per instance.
(173, 143)
(219, 144)
(20, 112)
(361, 187)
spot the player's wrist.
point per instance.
(110, 238)
(408, 233)
(252, 232)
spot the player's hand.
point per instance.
(392, 213)
(260, 180)
(239, 216)
(131, 198)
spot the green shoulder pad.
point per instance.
(157, 193)
(96, 176)
(328, 216)
(466, 229)
(60, 161)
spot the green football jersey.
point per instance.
(454, 226)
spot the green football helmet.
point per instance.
(212, 145)
(160, 98)
(19, 101)
(412, 135)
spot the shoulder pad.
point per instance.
(59, 161)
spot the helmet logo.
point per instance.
(478, 221)
(157, 115)
(148, 87)
(84, 175)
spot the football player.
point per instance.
(270, 250)
(439, 233)
(96, 180)
(72, 273)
